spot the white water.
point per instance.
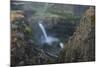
(44, 31)
(61, 45)
(48, 39)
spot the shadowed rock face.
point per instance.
(81, 46)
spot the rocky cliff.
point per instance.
(81, 45)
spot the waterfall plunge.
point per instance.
(48, 39)
(44, 31)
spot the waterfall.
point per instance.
(43, 31)
(48, 39)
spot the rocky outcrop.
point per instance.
(81, 45)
